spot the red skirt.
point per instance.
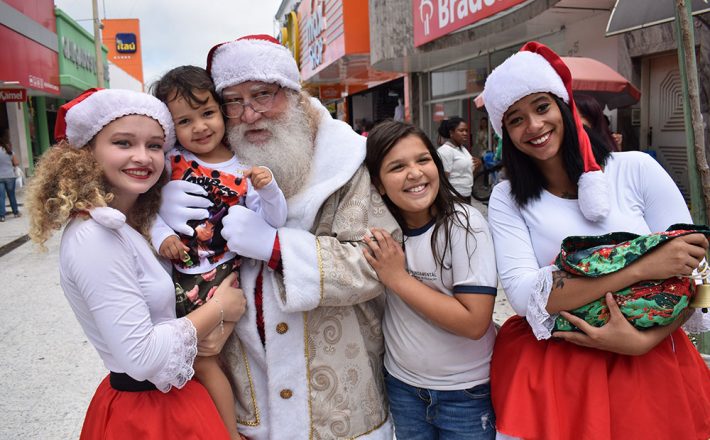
(186, 413)
(555, 390)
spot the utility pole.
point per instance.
(698, 170)
(97, 45)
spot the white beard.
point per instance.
(289, 151)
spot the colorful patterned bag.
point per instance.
(646, 304)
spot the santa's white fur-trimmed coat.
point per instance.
(319, 374)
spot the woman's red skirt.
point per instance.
(555, 390)
(186, 413)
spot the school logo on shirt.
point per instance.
(423, 276)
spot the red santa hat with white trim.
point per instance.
(537, 68)
(252, 58)
(80, 119)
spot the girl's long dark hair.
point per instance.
(380, 141)
(526, 179)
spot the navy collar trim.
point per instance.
(419, 231)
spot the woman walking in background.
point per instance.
(8, 162)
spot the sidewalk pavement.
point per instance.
(13, 229)
(49, 369)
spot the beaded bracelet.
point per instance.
(221, 315)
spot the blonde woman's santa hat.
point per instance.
(253, 58)
(80, 119)
(534, 69)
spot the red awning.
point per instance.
(601, 81)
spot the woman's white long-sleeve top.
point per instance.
(643, 198)
(124, 300)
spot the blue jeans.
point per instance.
(423, 414)
(8, 185)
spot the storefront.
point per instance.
(450, 47)
(77, 63)
(331, 42)
(47, 59)
(29, 70)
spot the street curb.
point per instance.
(14, 244)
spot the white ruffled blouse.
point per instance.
(124, 300)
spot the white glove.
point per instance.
(248, 234)
(183, 201)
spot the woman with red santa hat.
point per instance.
(609, 382)
(103, 180)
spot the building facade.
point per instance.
(448, 47)
(47, 59)
(330, 40)
(29, 72)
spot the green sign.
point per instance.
(77, 56)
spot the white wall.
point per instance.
(122, 80)
(586, 39)
(18, 130)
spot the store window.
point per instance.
(451, 90)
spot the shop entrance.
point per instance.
(666, 124)
(477, 119)
(385, 101)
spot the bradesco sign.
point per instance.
(436, 18)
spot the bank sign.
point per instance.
(126, 43)
(436, 18)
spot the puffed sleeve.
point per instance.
(664, 206)
(100, 276)
(269, 202)
(526, 284)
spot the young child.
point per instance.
(441, 290)
(202, 259)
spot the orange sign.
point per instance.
(330, 92)
(122, 37)
(330, 31)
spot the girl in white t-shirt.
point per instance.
(441, 289)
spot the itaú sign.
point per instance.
(436, 18)
(13, 95)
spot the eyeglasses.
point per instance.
(261, 102)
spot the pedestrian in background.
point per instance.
(441, 290)
(8, 162)
(458, 162)
(592, 115)
(103, 181)
(612, 382)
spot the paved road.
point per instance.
(49, 370)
